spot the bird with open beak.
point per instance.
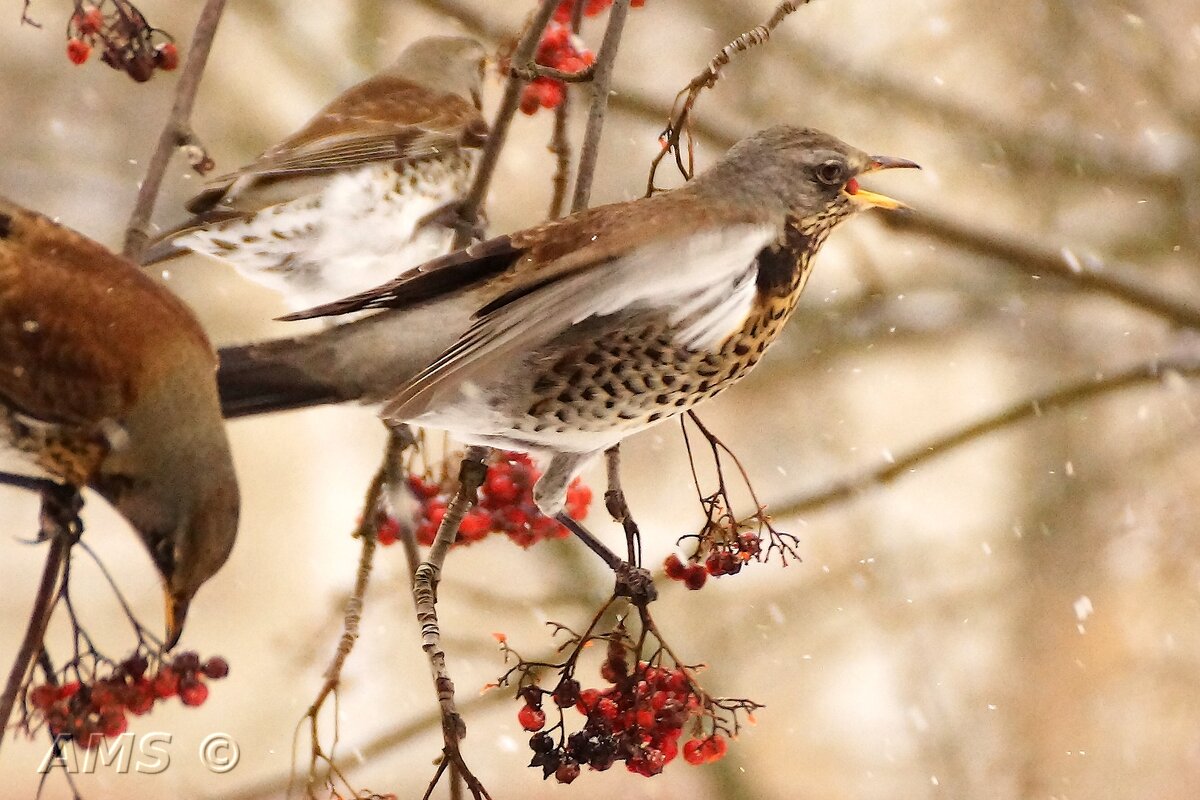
(108, 381)
(566, 338)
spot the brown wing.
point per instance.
(77, 323)
(527, 260)
(384, 118)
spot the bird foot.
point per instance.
(61, 505)
(450, 216)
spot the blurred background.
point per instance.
(1017, 617)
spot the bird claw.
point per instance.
(450, 216)
(61, 505)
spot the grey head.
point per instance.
(445, 64)
(801, 172)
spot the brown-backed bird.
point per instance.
(565, 338)
(366, 188)
(107, 381)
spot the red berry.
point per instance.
(216, 668)
(475, 525)
(713, 748)
(166, 56)
(69, 690)
(579, 497)
(78, 51)
(674, 567)
(42, 697)
(531, 719)
(140, 698)
(645, 718)
(588, 699)
(388, 531)
(692, 752)
(192, 693)
(694, 577)
(112, 721)
(500, 486)
(166, 682)
(530, 100)
(567, 771)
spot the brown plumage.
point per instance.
(567, 337)
(360, 192)
(107, 381)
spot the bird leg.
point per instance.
(614, 502)
(450, 216)
(632, 581)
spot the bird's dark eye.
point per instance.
(832, 173)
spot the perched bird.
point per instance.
(565, 338)
(107, 381)
(368, 187)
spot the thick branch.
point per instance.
(177, 131)
(524, 53)
(39, 618)
(1062, 397)
(601, 86)
(1062, 264)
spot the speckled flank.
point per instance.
(599, 378)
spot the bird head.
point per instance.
(170, 474)
(812, 175)
(446, 64)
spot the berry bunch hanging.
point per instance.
(125, 40)
(561, 49)
(94, 707)
(505, 506)
(639, 716)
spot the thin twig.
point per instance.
(680, 120)
(177, 132)
(560, 146)
(35, 631)
(523, 54)
(535, 70)
(25, 18)
(1061, 397)
(601, 86)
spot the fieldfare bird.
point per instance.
(565, 338)
(367, 188)
(107, 381)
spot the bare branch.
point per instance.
(534, 70)
(903, 464)
(560, 146)
(524, 53)
(601, 86)
(177, 132)
(1086, 273)
(56, 506)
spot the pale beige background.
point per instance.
(935, 641)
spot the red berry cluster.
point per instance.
(126, 40)
(726, 558)
(590, 8)
(505, 506)
(88, 712)
(562, 50)
(638, 719)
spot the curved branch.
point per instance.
(176, 133)
(1064, 396)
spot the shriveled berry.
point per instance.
(566, 694)
(695, 577)
(541, 743)
(567, 771)
(42, 697)
(216, 668)
(674, 567)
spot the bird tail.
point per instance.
(266, 377)
(163, 247)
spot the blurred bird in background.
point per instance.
(565, 338)
(107, 381)
(367, 188)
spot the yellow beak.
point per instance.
(865, 199)
(176, 613)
